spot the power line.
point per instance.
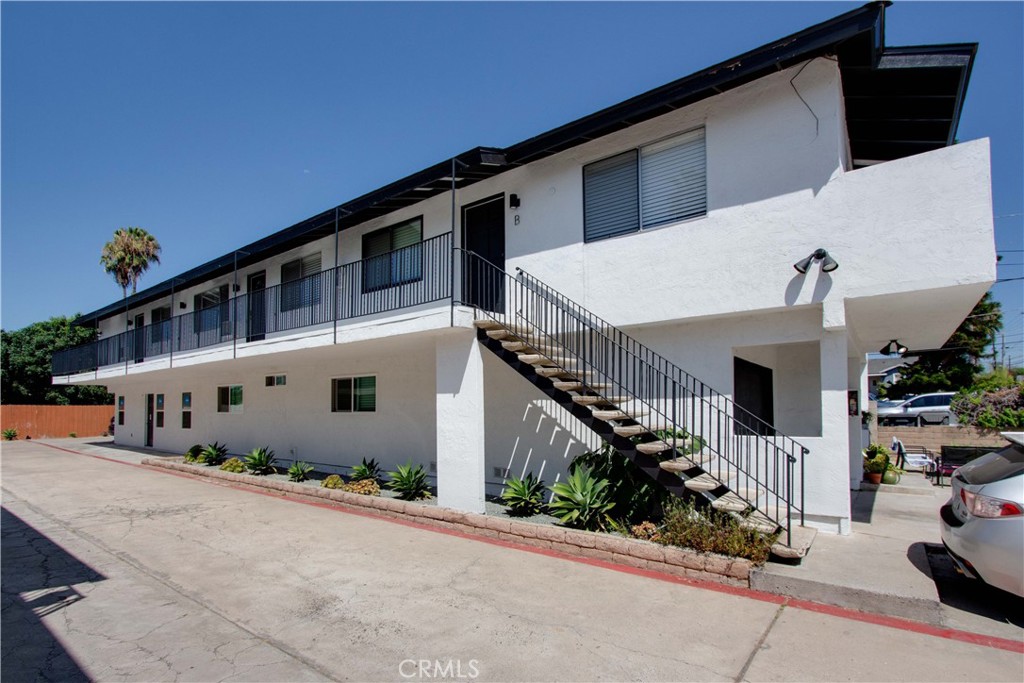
(1009, 279)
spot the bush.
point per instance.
(233, 465)
(333, 482)
(366, 470)
(299, 471)
(581, 501)
(364, 487)
(410, 483)
(646, 531)
(213, 454)
(712, 531)
(523, 495)
(72, 435)
(636, 496)
(261, 461)
(192, 454)
(999, 409)
(10, 434)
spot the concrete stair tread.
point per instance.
(654, 447)
(759, 521)
(731, 501)
(618, 415)
(529, 347)
(511, 333)
(599, 400)
(576, 385)
(488, 324)
(683, 463)
(797, 546)
(542, 360)
(636, 430)
(702, 482)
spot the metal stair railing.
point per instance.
(750, 454)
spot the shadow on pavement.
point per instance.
(969, 595)
(862, 506)
(38, 578)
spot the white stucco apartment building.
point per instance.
(676, 217)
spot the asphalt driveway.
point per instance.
(118, 572)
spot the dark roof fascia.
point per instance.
(483, 162)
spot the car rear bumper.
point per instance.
(986, 549)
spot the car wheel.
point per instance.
(945, 420)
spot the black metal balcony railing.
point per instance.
(411, 276)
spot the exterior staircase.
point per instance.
(691, 440)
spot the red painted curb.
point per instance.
(761, 596)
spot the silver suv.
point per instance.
(920, 410)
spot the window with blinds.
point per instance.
(354, 395)
(658, 184)
(393, 256)
(298, 287)
(212, 310)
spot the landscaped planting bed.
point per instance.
(538, 530)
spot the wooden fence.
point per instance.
(56, 421)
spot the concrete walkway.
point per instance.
(125, 573)
(893, 563)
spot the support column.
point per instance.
(828, 471)
(858, 372)
(460, 421)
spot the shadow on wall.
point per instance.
(39, 578)
(544, 441)
(822, 286)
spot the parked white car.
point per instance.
(982, 525)
(919, 410)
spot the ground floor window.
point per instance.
(160, 411)
(120, 410)
(354, 394)
(229, 399)
(186, 410)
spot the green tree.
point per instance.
(954, 366)
(128, 255)
(25, 365)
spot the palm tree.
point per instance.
(128, 255)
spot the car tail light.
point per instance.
(987, 506)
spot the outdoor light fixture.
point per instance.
(893, 347)
(828, 264)
(182, 305)
(513, 201)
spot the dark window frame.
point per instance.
(351, 402)
(387, 269)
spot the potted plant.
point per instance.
(876, 462)
(892, 474)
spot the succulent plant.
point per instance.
(299, 471)
(410, 483)
(365, 487)
(366, 470)
(233, 465)
(213, 454)
(10, 434)
(523, 495)
(581, 501)
(192, 454)
(333, 482)
(261, 461)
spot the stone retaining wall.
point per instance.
(935, 437)
(615, 549)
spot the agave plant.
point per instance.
(366, 470)
(10, 434)
(410, 483)
(192, 454)
(299, 471)
(213, 454)
(261, 461)
(523, 495)
(581, 501)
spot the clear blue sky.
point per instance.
(212, 125)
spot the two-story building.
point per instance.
(712, 258)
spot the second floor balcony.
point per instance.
(405, 278)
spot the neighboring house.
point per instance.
(675, 216)
(885, 371)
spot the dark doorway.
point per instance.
(256, 306)
(149, 420)
(753, 390)
(483, 233)
(139, 337)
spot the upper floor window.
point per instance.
(296, 290)
(393, 256)
(643, 188)
(212, 311)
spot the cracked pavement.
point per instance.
(113, 572)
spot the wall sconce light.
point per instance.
(237, 288)
(828, 264)
(893, 347)
(513, 201)
(130, 323)
(182, 305)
